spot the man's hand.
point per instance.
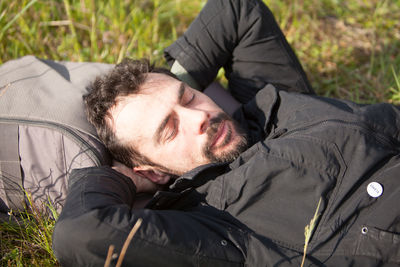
(143, 185)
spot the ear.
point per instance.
(154, 175)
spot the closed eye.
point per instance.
(172, 129)
(173, 122)
(190, 100)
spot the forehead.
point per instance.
(136, 117)
(155, 82)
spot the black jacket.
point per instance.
(253, 211)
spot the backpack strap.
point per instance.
(11, 190)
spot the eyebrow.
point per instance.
(160, 129)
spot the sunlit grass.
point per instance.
(89, 30)
(26, 238)
(346, 47)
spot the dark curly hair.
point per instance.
(123, 80)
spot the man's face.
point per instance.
(175, 126)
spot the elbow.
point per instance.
(81, 241)
(62, 243)
(71, 242)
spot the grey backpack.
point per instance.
(44, 133)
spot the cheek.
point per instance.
(188, 147)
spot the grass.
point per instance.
(349, 49)
(309, 230)
(346, 52)
(25, 239)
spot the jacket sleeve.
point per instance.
(97, 213)
(243, 37)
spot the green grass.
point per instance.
(88, 30)
(349, 49)
(25, 239)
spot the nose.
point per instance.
(194, 120)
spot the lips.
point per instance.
(221, 134)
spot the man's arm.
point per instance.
(243, 37)
(98, 213)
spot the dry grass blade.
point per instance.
(128, 241)
(124, 247)
(4, 88)
(109, 255)
(308, 230)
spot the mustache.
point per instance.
(217, 120)
(214, 126)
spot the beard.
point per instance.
(229, 154)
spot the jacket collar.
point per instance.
(184, 185)
(256, 116)
(198, 176)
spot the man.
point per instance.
(223, 199)
(185, 122)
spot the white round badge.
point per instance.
(374, 189)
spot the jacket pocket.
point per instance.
(379, 244)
